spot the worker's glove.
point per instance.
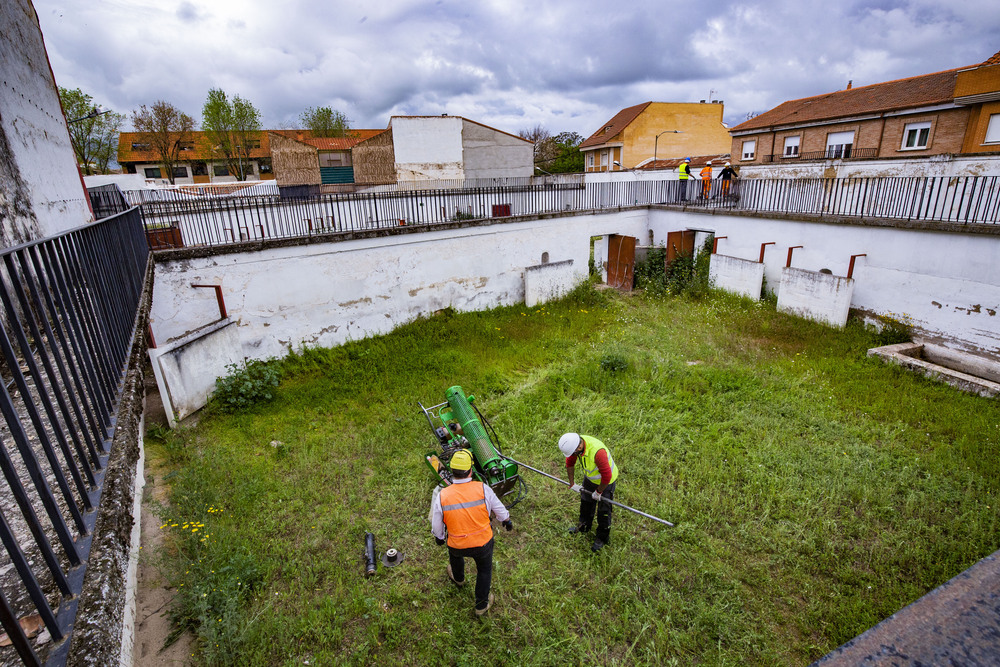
(576, 487)
(439, 541)
(596, 496)
(508, 525)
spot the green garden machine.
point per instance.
(458, 424)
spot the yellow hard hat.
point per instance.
(461, 460)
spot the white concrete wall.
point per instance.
(947, 282)
(545, 282)
(821, 297)
(41, 193)
(186, 367)
(326, 294)
(427, 147)
(736, 275)
(489, 153)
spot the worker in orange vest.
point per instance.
(706, 180)
(464, 509)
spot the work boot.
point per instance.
(453, 579)
(579, 528)
(597, 545)
(489, 603)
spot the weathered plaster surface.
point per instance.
(815, 296)
(736, 275)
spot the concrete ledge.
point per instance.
(958, 623)
(922, 358)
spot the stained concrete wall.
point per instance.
(490, 153)
(427, 147)
(545, 282)
(736, 275)
(188, 366)
(325, 294)
(817, 296)
(935, 165)
(41, 193)
(942, 276)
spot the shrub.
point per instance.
(613, 362)
(246, 385)
(651, 274)
(894, 329)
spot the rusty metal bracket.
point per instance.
(218, 296)
(715, 243)
(762, 246)
(850, 269)
(149, 335)
(788, 262)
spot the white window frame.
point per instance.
(837, 147)
(749, 149)
(590, 159)
(792, 146)
(604, 158)
(917, 133)
(993, 130)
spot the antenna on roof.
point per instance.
(849, 84)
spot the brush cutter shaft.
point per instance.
(607, 500)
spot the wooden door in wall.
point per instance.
(621, 261)
(679, 243)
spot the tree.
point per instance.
(562, 154)
(541, 138)
(325, 122)
(231, 129)
(165, 128)
(94, 134)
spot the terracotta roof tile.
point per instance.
(917, 91)
(202, 151)
(696, 161)
(614, 126)
(994, 59)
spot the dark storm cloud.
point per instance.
(507, 63)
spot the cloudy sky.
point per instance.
(513, 64)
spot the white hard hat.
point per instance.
(568, 443)
(709, 162)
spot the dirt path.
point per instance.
(153, 596)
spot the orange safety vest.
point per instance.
(466, 515)
(706, 172)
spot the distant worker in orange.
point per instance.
(706, 180)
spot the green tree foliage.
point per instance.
(325, 122)
(94, 135)
(165, 128)
(567, 159)
(232, 128)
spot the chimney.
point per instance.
(849, 84)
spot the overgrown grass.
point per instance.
(815, 492)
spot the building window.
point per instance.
(749, 149)
(180, 172)
(335, 159)
(839, 144)
(152, 172)
(590, 159)
(265, 165)
(993, 130)
(253, 143)
(604, 158)
(791, 146)
(220, 170)
(137, 146)
(199, 169)
(915, 136)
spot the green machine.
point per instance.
(458, 424)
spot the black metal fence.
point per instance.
(69, 306)
(107, 200)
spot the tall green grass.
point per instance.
(815, 492)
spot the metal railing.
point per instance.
(837, 153)
(68, 306)
(107, 200)
(187, 221)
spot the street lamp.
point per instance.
(657, 140)
(94, 113)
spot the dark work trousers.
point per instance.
(588, 505)
(484, 569)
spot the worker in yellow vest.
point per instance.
(683, 175)
(464, 509)
(600, 474)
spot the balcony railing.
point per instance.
(840, 153)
